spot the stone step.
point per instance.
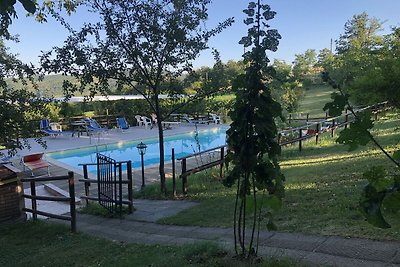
(56, 191)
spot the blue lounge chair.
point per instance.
(52, 129)
(92, 126)
(122, 123)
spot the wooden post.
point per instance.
(173, 173)
(290, 118)
(71, 185)
(34, 204)
(317, 128)
(300, 137)
(184, 177)
(307, 117)
(221, 168)
(326, 115)
(87, 184)
(333, 128)
(130, 186)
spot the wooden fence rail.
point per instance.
(209, 164)
(316, 128)
(71, 199)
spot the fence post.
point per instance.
(34, 204)
(290, 118)
(130, 186)
(317, 128)
(333, 128)
(184, 177)
(87, 184)
(120, 187)
(307, 116)
(173, 173)
(221, 168)
(326, 115)
(300, 137)
(71, 185)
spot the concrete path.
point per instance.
(311, 250)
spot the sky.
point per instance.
(306, 24)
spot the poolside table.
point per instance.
(168, 124)
(77, 126)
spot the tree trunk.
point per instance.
(161, 145)
(162, 164)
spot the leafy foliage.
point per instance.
(358, 133)
(252, 137)
(338, 104)
(8, 12)
(375, 192)
(17, 106)
(379, 187)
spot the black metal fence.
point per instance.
(110, 184)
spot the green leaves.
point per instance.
(396, 155)
(358, 132)
(253, 132)
(338, 104)
(378, 193)
(29, 5)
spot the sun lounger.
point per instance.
(34, 162)
(52, 129)
(122, 123)
(92, 126)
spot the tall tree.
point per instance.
(304, 63)
(147, 42)
(284, 87)
(325, 59)
(357, 49)
(252, 137)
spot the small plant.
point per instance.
(252, 137)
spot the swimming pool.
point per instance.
(184, 144)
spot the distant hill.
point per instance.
(51, 85)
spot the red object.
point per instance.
(35, 161)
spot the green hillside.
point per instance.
(51, 85)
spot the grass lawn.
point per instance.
(315, 99)
(323, 186)
(42, 244)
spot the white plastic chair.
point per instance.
(146, 122)
(138, 120)
(216, 118)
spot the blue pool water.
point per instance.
(184, 144)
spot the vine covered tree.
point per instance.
(140, 44)
(252, 137)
